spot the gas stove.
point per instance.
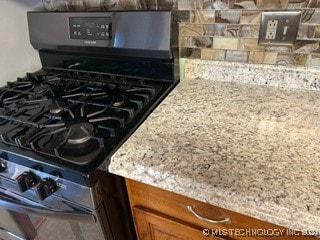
(73, 119)
(102, 74)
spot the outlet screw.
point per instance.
(287, 20)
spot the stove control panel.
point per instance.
(41, 184)
(90, 28)
(44, 188)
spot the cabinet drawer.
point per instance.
(156, 226)
(176, 206)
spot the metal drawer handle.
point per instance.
(225, 220)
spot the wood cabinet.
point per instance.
(156, 226)
(163, 215)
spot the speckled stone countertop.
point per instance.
(248, 148)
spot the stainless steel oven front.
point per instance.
(27, 219)
(73, 211)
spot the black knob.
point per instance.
(3, 163)
(26, 181)
(3, 166)
(45, 188)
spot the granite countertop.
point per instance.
(248, 148)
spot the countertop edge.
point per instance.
(227, 200)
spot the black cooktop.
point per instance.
(74, 119)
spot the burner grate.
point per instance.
(72, 115)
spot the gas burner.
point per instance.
(55, 109)
(80, 133)
(118, 103)
(78, 141)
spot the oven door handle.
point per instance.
(12, 203)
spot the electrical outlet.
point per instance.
(270, 35)
(279, 27)
(271, 29)
(272, 24)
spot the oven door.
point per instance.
(39, 222)
(14, 226)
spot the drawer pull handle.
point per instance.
(225, 220)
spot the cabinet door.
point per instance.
(173, 210)
(155, 226)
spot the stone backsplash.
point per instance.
(227, 30)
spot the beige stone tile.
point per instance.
(250, 17)
(272, 4)
(263, 57)
(220, 30)
(181, 16)
(212, 54)
(284, 3)
(250, 45)
(215, 4)
(229, 16)
(217, 30)
(306, 31)
(190, 30)
(236, 56)
(295, 4)
(202, 42)
(279, 49)
(226, 43)
(244, 4)
(190, 53)
(285, 59)
(128, 4)
(315, 17)
(112, 5)
(306, 46)
(184, 41)
(315, 60)
(147, 4)
(189, 4)
(207, 16)
(314, 4)
(317, 31)
(300, 59)
(310, 16)
(249, 31)
(166, 4)
(209, 29)
(233, 30)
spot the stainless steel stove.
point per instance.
(102, 74)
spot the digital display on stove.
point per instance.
(90, 28)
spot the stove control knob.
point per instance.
(3, 163)
(45, 188)
(3, 166)
(26, 181)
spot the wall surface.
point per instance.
(16, 54)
